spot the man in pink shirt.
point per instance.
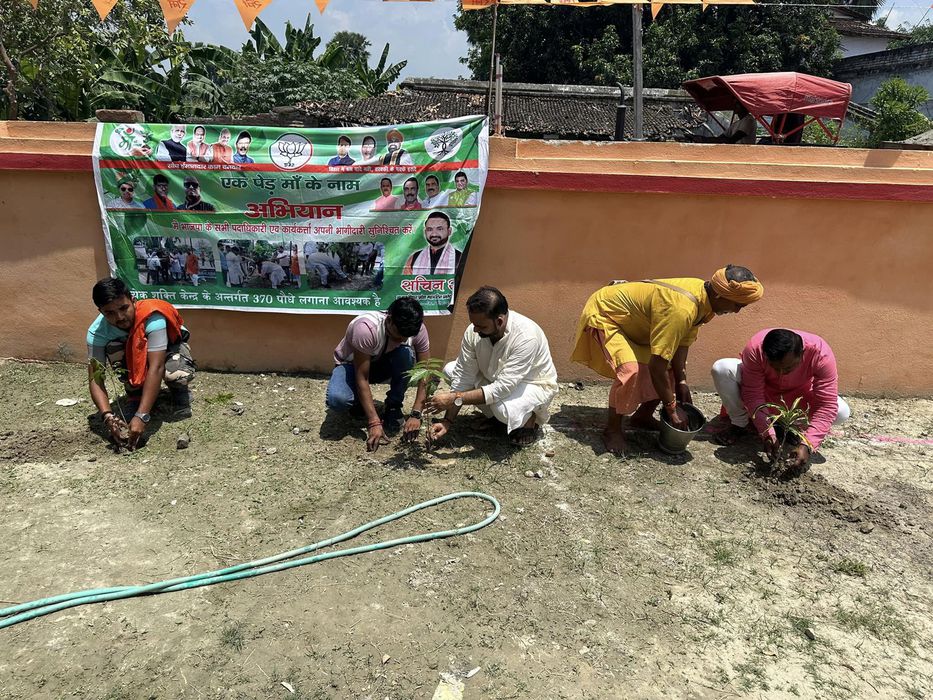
(387, 202)
(381, 346)
(781, 364)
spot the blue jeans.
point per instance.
(391, 368)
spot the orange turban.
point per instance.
(739, 292)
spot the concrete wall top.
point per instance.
(840, 238)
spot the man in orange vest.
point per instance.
(144, 342)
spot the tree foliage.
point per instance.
(355, 47)
(377, 80)
(62, 62)
(896, 104)
(51, 58)
(921, 34)
(261, 85)
(179, 78)
(593, 45)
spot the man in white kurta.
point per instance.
(504, 369)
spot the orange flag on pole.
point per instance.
(104, 7)
(250, 9)
(175, 11)
(321, 5)
(34, 3)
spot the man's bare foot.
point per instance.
(644, 422)
(614, 442)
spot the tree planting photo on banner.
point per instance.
(252, 218)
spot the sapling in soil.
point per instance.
(431, 371)
(790, 425)
(100, 374)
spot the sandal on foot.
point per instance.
(522, 437)
(730, 435)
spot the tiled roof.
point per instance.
(855, 27)
(561, 111)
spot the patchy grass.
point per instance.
(232, 636)
(880, 621)
(728, 552)
(850, 567)
(219, 399)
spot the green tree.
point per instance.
(300, 43)
(921, 34)
(271, 73)
(866, 9)
(178, 78)
(52, 58)
(896, 104)
(377, 80)
(355, 47)
(593, 45)
(261, 85)
(546, 44)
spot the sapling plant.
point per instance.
(99, 374)
(790, 425)
(431, 372)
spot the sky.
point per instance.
(422, 33)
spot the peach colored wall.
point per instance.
(855, 271)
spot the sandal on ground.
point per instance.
(730, 435)
(522, 437)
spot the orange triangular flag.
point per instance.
(103, 7)
(655, 9)
(175, 11)
(321, 5)
(250, 9)
(34, 3)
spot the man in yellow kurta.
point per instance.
(639, 333)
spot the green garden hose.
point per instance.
(37, 608)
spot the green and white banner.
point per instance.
(291, 220)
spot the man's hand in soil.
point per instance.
(411, 429)
(439, 429)
(116, 427)
(137, 428)
(770, 445)
(376, 437)
(798, 458)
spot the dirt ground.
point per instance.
(648, 577)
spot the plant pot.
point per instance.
(674, 441)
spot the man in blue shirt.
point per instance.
(144, 343)
(343, 153)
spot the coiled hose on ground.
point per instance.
(44, 606)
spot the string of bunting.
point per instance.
(175, 10)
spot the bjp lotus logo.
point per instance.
(291, 151)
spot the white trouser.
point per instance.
(516, 408)
(727, 378)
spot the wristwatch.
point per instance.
(458, 399)
(144, 417)
(415, 414)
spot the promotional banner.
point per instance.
(291, 220)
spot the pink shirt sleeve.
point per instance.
(363, 338)
(753, 385)
(421, 343)
(824, 403)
